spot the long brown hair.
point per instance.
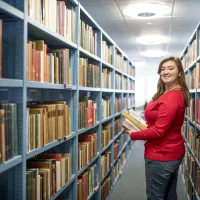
(181, 80)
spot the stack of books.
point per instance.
(132, 121)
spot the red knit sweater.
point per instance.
(164, 118)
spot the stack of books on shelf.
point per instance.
(87, 182)
(106, 78)
(106, 52)
(105, 164)
(46, 174)
(8, 132)
(47, 65)
(56, 15)
(87, 113)
(106, 135)
(88, 37)
(87, 149)
(88, 74)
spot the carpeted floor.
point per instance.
(131, 185)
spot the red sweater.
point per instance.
(164, 118)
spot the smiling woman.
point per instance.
(171, 77)
(164, 149)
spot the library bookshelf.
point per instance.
(63, 85)
(191, 129)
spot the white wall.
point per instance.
(145, 85)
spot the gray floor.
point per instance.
(131, 185)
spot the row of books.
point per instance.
(87, 149)
(192, 51)
(124, 106)
(190, 55)
(191, 110)
(87, 182)
(88, 74)
(116, 149)
(105, 188)
(117, 169)
(131, 70)
(131, 85)
(106, 52)
(8, 131)
(123, 138)
(87, 113)
(124, 83)
(55, 15)
(47, 174)
(105, 164)
(88, 37)
(195, 177)
(194, 77)
(106, 78)
(118, 81)
(106, 135)
(118, 104)
(192, 138)
(120, 63)
(117, 126)
(106, 107)
(47, 65)
(188, 183)
(47, 122)
(130, 101)
(123, 157)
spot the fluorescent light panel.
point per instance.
(146, 10)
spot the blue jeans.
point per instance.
(161, 179)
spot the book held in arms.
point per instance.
(133, 121)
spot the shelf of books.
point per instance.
(191, 128)
(64, 84)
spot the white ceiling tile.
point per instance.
(104, 12)
(187, 9)
(95, 3)
(185, 22)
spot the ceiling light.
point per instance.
(146, 10)
(151, 39)
(153, 53)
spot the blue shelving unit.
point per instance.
(18, 28)
(191, 64)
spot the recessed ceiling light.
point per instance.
(153, 53)
(151, 39)
(146, 10)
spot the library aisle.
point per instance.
(131, 185)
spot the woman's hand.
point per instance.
(127, 131)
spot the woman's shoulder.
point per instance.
(173, 96)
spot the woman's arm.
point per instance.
(166, 114)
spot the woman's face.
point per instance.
(169, 73)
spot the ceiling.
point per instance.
(178, 26)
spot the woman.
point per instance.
(164, 149)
